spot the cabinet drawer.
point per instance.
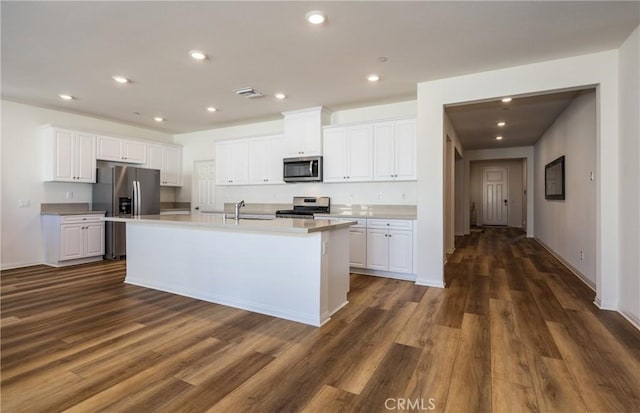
(390, 224)
(74, 219)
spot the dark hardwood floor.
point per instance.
(514, 331)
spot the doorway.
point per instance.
(203, 189)
(495, 196)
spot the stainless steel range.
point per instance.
(305, 206)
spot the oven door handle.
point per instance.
(311, 168)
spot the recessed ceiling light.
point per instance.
(502, 123)
(120, 79)
(280, 96)
(506, 100)
(316, 17)
(198, 55)
(65, 97)
(498, 138)
(373, 78)
(212, 109)
(159, 119)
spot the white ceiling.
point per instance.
(76, 47)
(526, 118)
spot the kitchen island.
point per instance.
(296, 269)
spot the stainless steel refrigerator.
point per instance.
(124, 191)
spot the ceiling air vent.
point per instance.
(248, 92)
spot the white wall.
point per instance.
(514, 184)
(452, 144)
(201, 146)
(629, 169)
(569, 227)
(459, 197)
(22, 175)
(599, 69)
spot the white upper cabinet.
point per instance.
(69, 156)
(303, 131)
(334, 158)
(171, 166)
(168, 159)
(405, 149)
(232, 161)
(134, 152)
(121, 150)
(265, 160)
(348, 153)
(394, 148)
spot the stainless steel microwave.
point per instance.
(305, 169)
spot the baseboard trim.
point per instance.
(13, 266)
(635, 321)
(586, 281)
(430, 283)
(384, 274)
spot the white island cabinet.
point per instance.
(292, 269)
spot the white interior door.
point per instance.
(494, 196)
(203, 189)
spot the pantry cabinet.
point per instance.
(69, 156)
(168, 159)
(121, 150)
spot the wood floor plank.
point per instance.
(510, 397)
(533, 330)
(508, 361)
(389, 381)
(471, 377)
(330, 399)
(432, 375)
(419, 324)
(597, 390)
(555, 389)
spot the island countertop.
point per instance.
(210, 221)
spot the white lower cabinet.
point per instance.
(73, 239)
(384, 246)
(390, 245)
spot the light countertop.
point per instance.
(211, 221)
(70, 208)
(372, 212)
(72, 212)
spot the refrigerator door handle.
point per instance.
(139, 198)
(134, 208)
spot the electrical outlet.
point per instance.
(69, 195)
(581, 255)
(380, 195)
(24, 203)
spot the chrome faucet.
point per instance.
(238, 206)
